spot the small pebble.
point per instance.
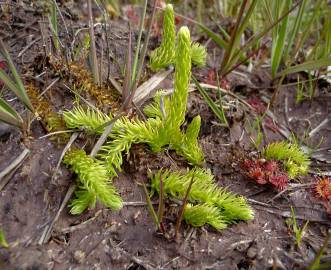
(252, 252)
(79, 256)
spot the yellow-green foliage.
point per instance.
(162, 129)
(201, 214)
(94, 183)
(198, 55)
(204, 190)
(164, 55)
(125, 133)
(88, 120)
(157, 108)
(185, 144)
(296, 162)
(3, 241)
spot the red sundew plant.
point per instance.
(211, 76)
(212, 80)
(323, 191)
(266, 172)
(323, 188)
(257, 105)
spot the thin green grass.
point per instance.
(7, 113)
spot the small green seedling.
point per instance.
(298, 232)
(3, 241)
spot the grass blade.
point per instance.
(279, 39)
(316, 263)
(241, 25)
(295, 30)
(128, 69)
(306, 31)
(219, 113)
(53, 21)
(136, 57)
(9, 115)
(182, 209)
(150, 207)
(3, 242)
(216, 38)
(93, 51)
(309, 65)
(17, 88)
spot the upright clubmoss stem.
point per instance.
(164, 55)
(176, 114)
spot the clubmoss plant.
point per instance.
(175, 113)
(204, 190)
(201, 214)
(161, 130)
(210, 203)
(296, 162)
(94, 183)
(125, 133)
(198, 54)
(164, 55)
(159, 106)
(89, 120)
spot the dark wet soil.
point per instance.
(128, 239)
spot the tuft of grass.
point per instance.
(7, 113)
(53, 25)
(93, 52)
(298, 232)
(316, 264)
(279, 33)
